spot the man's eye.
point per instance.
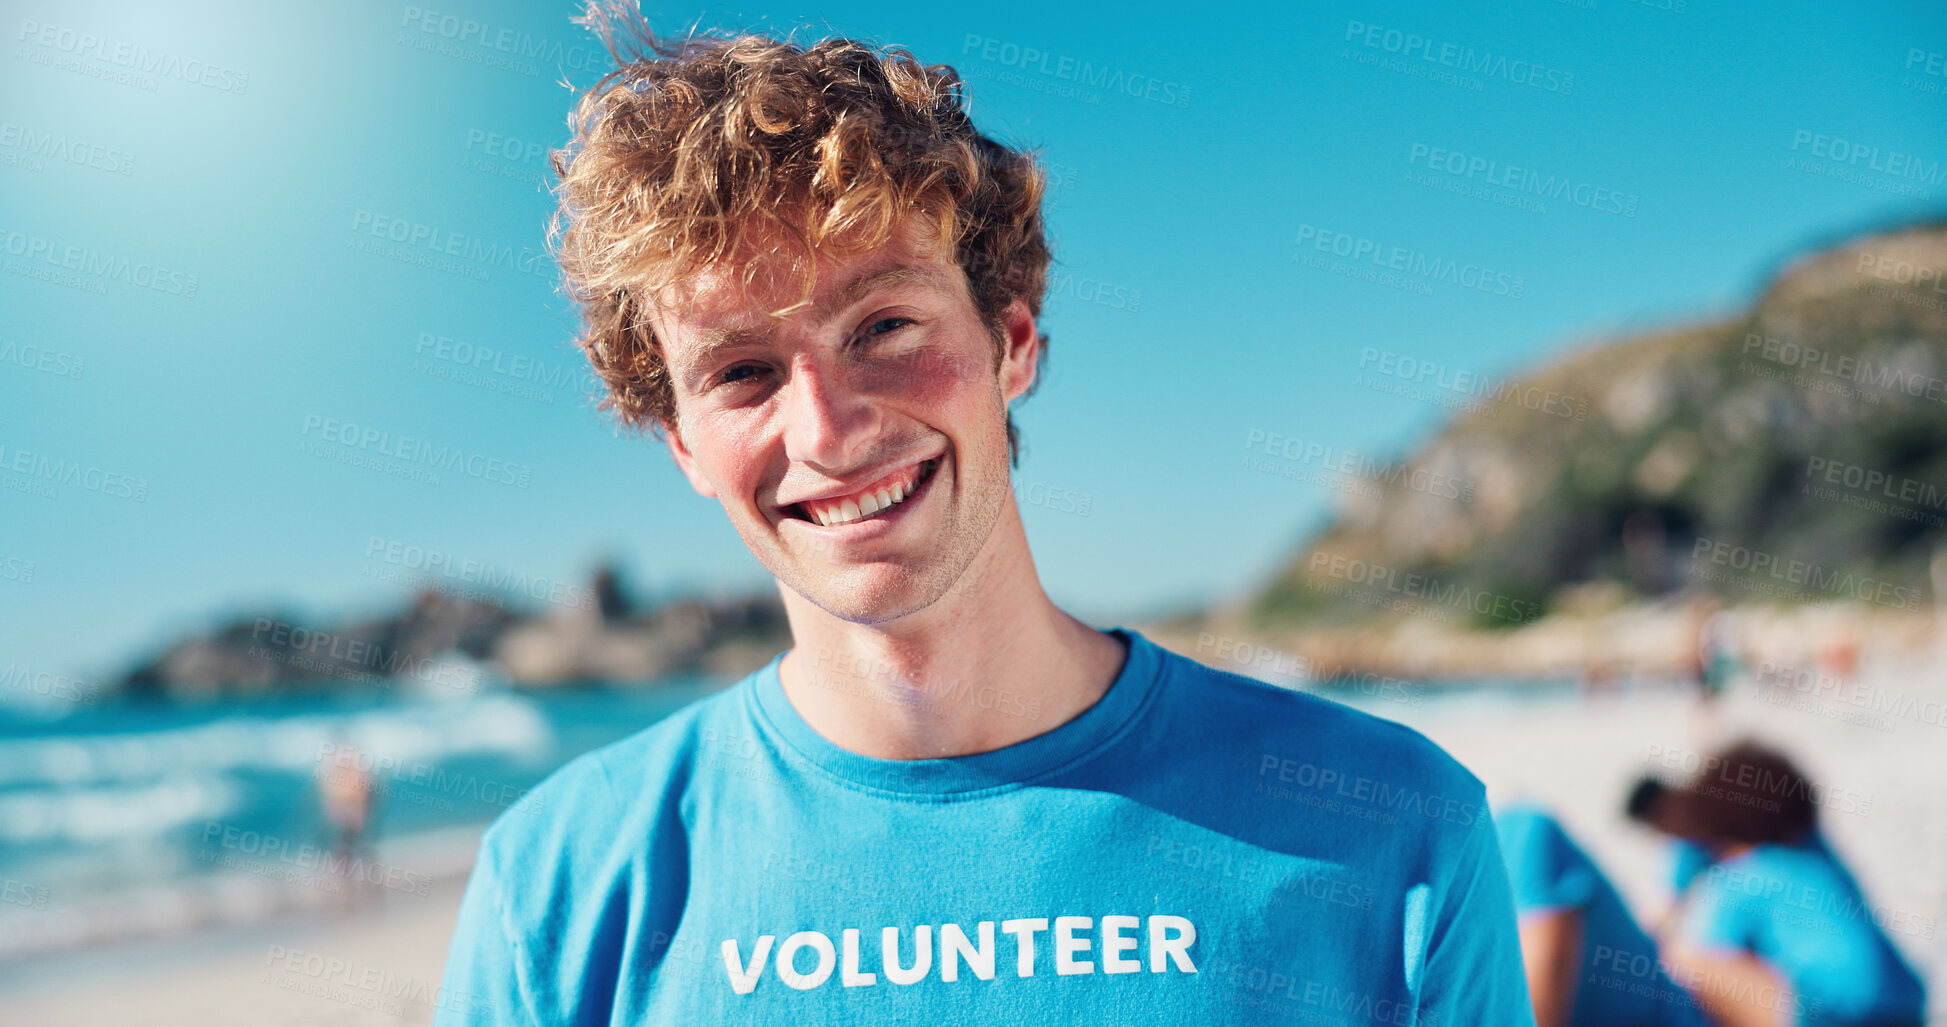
(886, 326)
(737, 373)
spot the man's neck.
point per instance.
(991, 663)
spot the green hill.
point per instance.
(1795, 453)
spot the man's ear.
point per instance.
(687, 463)
(1021, 350)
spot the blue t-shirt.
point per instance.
(1620, 982)
(1798, 909)
(1686, 860)
(1196, 847)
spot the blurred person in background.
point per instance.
(1770, 927)
(1839, 655)
(345, 793)
(1589, 963)
(1709, 664)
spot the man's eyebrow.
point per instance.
(714, 340)
(898, 274)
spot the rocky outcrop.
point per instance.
(726, 638)
(449, 641)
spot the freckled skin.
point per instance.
(820, 400)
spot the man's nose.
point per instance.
(828, 423)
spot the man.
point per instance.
(1589, 963)
(1772, 927)
(949, 802)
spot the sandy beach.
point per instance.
(379, 967)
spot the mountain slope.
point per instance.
(1809, 434)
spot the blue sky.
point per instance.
(270, 157)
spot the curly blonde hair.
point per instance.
(689, 143)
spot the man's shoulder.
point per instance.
(1803, 861)
(1524, 825)
(1314, 752)
(1233, 704)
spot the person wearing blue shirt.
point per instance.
(1796, 907)
(1773, 928)
(949, 802)
(1687, 861)
(1195, 847)
(1589, 963)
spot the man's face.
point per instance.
(884, 390)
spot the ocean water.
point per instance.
(129, 820)
(125, 820)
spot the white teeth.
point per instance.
(868, 504)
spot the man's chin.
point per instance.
(869, 596)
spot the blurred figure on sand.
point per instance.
(1709, 664)
(1770, 927)
(345, 791)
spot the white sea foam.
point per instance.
(502, 724)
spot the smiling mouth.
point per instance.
(863, 506)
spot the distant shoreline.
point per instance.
(1635, 640)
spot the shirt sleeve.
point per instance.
(1473, 972)
(1686, 861)
(1547, 871)
(487, 974)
